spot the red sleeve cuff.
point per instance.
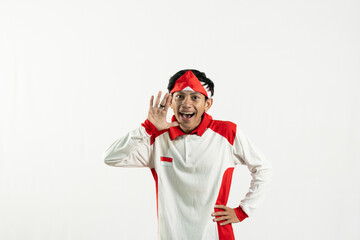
(149, 127)
(240, 213)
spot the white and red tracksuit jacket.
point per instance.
(192, 173)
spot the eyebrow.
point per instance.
(192, 93)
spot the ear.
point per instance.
(171, 101)
(208, 104)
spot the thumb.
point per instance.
(174, 124)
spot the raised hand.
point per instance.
(157, 113)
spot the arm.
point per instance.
(248, 154)
(134, 149)
(131, 150)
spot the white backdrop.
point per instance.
(76, 75)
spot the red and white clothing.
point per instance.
(193, 173)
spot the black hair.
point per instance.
(206, 82)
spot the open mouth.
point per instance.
(187, 115)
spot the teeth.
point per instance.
(186, 113)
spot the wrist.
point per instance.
(149, 127)
(241, 215)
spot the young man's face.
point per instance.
(188, 108)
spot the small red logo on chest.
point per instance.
(166, 159)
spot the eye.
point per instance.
(195, 97)
(179, 96)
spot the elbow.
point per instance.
(268, 173)
(107, 162)
(107, 159)
(110, 162)
(263, 172)
(114, 161)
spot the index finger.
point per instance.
(220, 206)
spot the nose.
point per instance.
(187, 102)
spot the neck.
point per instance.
(185, 130)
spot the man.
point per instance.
(192, 160)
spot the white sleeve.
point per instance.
(131, 150)
(248, 154)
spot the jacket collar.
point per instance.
(199, 130)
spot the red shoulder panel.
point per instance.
(225, 129)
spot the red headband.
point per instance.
(188, 79)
